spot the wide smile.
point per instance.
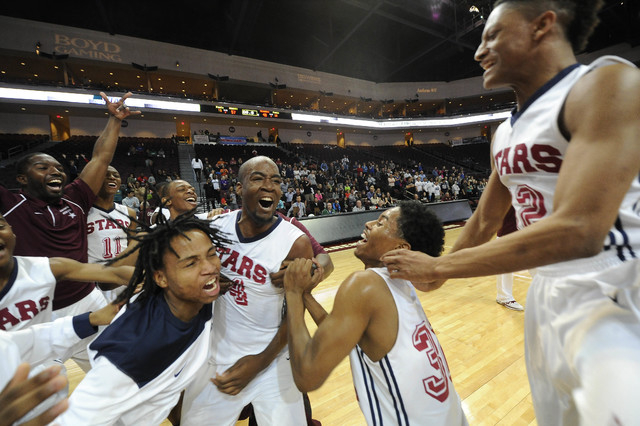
(192, 200)
(54, 184)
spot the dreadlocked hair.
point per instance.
(578, 19)
(153, 242)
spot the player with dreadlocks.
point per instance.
(154, 347)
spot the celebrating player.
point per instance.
(50, 217)
(248, 362)
(159, 341)
(105, 238)
(399, 370)
(572, 123)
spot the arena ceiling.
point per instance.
(374, 40)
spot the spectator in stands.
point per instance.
(50, 218)
(358, 207)
(197, 166)
(297, 209)
(131, 201)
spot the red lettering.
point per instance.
(110, 225)
(44, 302)
(505, 169)
(90, 228)
(260, 274)
(25, 307)
(520, 158)
(245, 267)
(7, 318)
(548, 158)
(99, 223)
(230, 262)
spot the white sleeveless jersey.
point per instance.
(528, 150)
(105, 239)
(412, 384)
(249, 314)
(26, 298)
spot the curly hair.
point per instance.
(153, 242)
(578, 19)
(421, 228)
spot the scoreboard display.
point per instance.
(245, 112)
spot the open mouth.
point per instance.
(211, 287)
(192, 200)
(55, 184)
(266, 202)
(112, 185)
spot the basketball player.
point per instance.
(572, 124)
(249, 363)
(27, 283)
(50, 217)
(158, 342)
(399, 371)
(105, 238)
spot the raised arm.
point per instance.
(313, 359)
(69, 269)
(93, 173)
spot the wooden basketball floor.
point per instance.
(483, 343)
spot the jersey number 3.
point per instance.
(424, 341)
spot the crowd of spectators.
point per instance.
(313, 188)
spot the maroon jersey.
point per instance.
(317, 247)
(52, 230)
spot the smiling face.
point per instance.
(260, 190)
(43, 178)
(190, 276)
(379, 236)
(181, 197)
(111, 184)
(506, 43)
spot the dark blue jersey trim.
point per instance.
(541, 91)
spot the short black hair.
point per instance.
(152, 244)
(420, 227)
(578, 19)
(24, 162)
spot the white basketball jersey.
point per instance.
(412, 383)
(26, 299)
(249, 314)
(528, 150)
(106, 239)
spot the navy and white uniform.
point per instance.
(140, 364)
(582, 322)
(26, 298)
(411, 384)
(247, 318)
(106, 240)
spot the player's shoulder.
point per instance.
(364, 283)
(608, 79)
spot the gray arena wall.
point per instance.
(330, 229)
